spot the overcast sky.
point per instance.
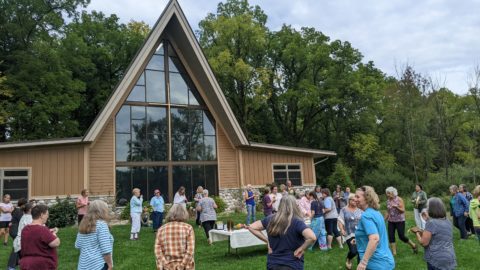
(439, 38)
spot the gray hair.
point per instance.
(453, 188)
(205, 192)
(436, 208)
(392, 190)
(177, 213)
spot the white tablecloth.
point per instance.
(238, 238)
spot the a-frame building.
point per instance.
(167, 124)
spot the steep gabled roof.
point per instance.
(173, 24)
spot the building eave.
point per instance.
(298, 150)
(53, 142)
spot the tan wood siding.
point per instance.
(227, 161)
(102, 163)
(55, 170)
(257, 166)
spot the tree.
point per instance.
(235, 41)
(97, 49)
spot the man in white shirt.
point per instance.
(275, 197)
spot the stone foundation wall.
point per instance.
(110, 200)
(234, 200)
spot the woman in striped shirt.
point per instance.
(94, 239)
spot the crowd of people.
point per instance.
(295, 221)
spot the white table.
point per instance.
(236, 238)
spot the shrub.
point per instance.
(221, 205)
(382, 178)
(125, 212)
(62, 214)
(341, 176)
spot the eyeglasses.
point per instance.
(363, 189)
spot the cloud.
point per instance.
(438, 37)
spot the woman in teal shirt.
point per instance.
(371, 236)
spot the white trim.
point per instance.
(173, 8)
(40, 143)
(287, 170)
(29, 179)
(314, 152)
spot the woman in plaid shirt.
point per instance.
(175, 242)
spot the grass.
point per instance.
(139, 254)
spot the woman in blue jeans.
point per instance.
(459, 210)
(318, 222)
(249, 198)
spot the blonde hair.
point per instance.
(351, 196)
(287, 211)
(282, 187)
(199, 189)
(177, 213)
(135, 189)
(371, 197)
(476, 191)
(97, 210)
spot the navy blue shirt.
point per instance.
(317, 206)
(250, 201)
(283, 246)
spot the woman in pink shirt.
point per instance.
(82, 205)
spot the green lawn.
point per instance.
(139, 254)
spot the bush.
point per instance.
(221, 205)
(341, 176)
(382, 178)
(62, 214)
(126, 211)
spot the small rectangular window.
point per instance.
(284, 172)
(14, 182)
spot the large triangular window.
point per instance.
(164, 123)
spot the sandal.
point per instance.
(348, 265)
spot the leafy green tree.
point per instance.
(235, 41)
(341, 176)
(97, 49)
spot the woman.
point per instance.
(136, 203)
(249, 198)
(318, 192)
(468, 222)
(82, 205)
(288, 236)
(396, 220)
(6, 209)
(459, 211)
(419, 201)
(331, 216)
(180, 197)
(318, 222)
(347, 222)
(197, 198)
(25, 220)
(371, 235)
(175, 241)
(267, 202)
(339, 198)
(39, 243)
(475, 210)
(16, 217)
(94, 239)
(158, 206)
(305, 206)
(208, 216)
(437, 238)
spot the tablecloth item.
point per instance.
(238, 238)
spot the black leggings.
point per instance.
(352, 250)
(207, 226)
(331, 227)
(400, 227)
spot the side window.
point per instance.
(14, 182)
(284, 172)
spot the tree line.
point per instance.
(290, 86)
